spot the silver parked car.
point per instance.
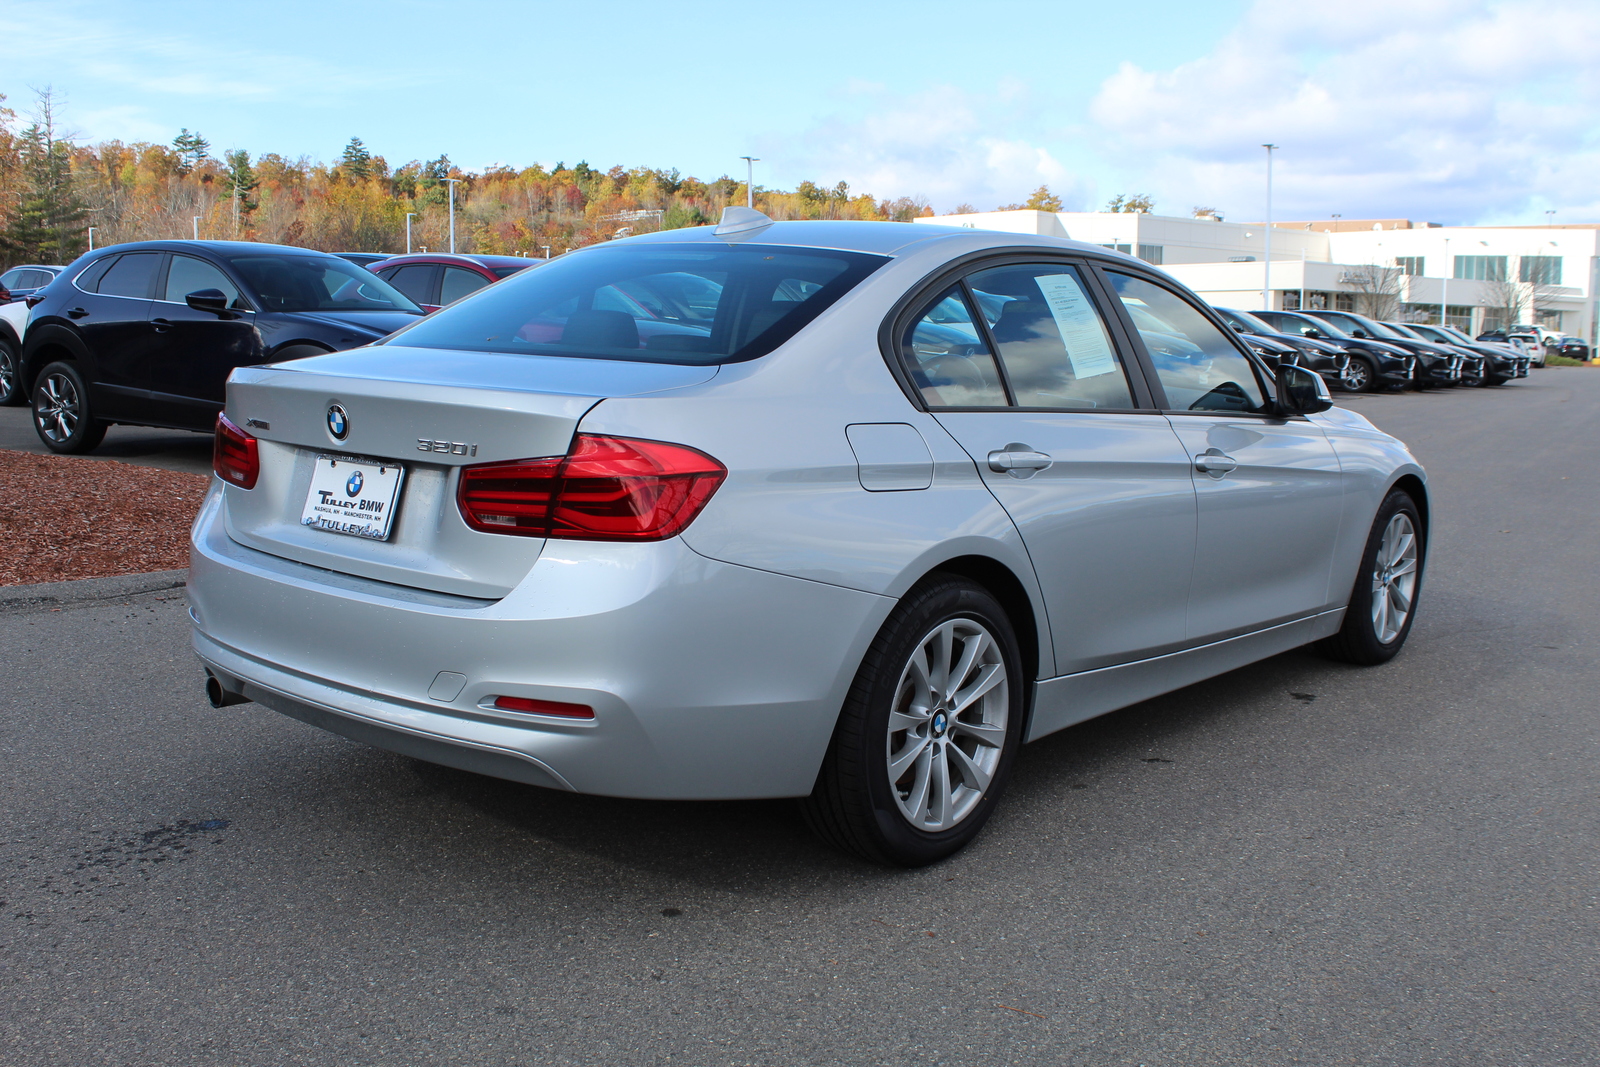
(839, 511)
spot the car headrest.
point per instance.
(601, 329)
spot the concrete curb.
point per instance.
(57, 594)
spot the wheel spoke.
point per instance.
(1404, 566)
(973, 647)
(982, 732)
(939, 791)
(972, 775)
(916, 803)
(945, 642)
(1399, 605)
(991, 675)
(921, 677)
(915, 747)
(900, 720)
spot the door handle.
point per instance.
(161, 325)
(77, 313)
(1215, 461)
(1019, 461)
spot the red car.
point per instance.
(434, 279)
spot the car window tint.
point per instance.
(947, 358)
(130, 275)
(89, 279)
(621, 302)
(1053, 344)
(11, 279)
(412, 281)
(285, 282)
(458, 282)
(1198, 366)
(506, 272)
(189, 275)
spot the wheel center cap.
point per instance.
(941, 723)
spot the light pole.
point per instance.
(1266, 255)
(1444, 287)
(750, 180)
(546, 251)
(452, 182)
(197, 227)
(409, 216)
(91, 238)
(1550, 217)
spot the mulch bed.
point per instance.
(62, 517)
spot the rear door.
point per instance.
(1268, 488)
(1017, 363)
(111, 310)
(458, 282)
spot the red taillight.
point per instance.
(544, 707)
(604, 489)
(234, 456)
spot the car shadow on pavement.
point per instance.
(764, 846)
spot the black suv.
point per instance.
(146, 334)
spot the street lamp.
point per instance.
(1550, 217)
(1444, 288)
(1266, 255)
(546, 251)
(409, 216)
(197, 227)
(91, 238)
(750, 180)
(452, 183)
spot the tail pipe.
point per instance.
(220, 695)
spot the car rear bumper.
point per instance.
(707, 680)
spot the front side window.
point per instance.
(947, 357)
(317, 283)
(131, 275)
(189, 275)
(1051, 340)
(1199, 367)
(689, 304)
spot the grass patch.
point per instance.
(1563, 361)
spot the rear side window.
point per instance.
(12, 279)
(131, 275)
(1053, 345)
(186, 275)
(458, 282)
(1199, 367)
(948, 358)
(691, 304)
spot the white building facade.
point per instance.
(1477, 277)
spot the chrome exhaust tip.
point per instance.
(219, 696)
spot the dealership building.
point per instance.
(1476, 276)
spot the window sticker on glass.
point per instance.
(1079, 325)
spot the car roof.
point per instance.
(461, 257)
(35, 266)
(878, 238)
(226, 248)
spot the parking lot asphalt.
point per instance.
(1297, 863)
(177, 450)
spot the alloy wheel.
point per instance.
(8, 372)
(59, 408)
(1354, 376)
(1394, 579)
(947, 726)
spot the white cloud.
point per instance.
(1411, 108)
(942, 144)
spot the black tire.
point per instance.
(61, 415)
(1358, 639)
(1359, 375)
(855, 806)
(10, 374)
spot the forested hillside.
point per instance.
(52, 189)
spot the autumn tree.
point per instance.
(1136, 204)
(49, 225)
(356, 163)
(1043, 200)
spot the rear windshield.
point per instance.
(690, 304)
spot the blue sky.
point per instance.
(1456, 112)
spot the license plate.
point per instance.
(353, 496)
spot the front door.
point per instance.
(1268, 488)
(1095, 481)
(196, 350)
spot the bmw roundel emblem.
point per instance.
(338, 422)
(353, 486)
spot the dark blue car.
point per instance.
(146, 334)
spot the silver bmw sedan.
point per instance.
(839, 511)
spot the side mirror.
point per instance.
(1310, 331)
(1236, 327)
(1301, 391)
(213, 300)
